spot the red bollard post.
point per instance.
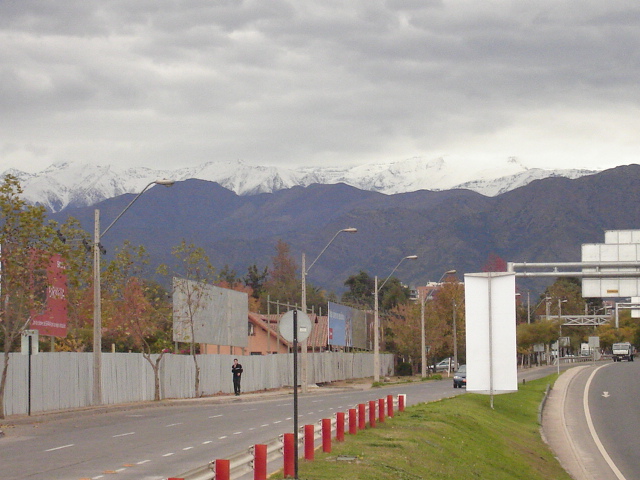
(260, 462)
(381, 409)
(372, 413)
(326, 435)
(361, 421)
(340, 426)
(401, 403)
(289, 456)
(309, 442)
(390, 405)
(222, 469)
(353, 428)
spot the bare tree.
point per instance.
(193, 288)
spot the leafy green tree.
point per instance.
(360, 293)
(229, 276)
(255, 279)
(26, 243)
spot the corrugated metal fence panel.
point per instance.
(64, 380)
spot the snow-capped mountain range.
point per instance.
(81, 184)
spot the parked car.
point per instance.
(460, 377)
(442, 365)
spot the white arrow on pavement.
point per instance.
(605, 394)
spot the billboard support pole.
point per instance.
(490, 342)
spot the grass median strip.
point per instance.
(460, 437)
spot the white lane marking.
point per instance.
(316, 401)
(605, 394)
(120, 470)
(265, 425)
(222, 437)
(237, 433)
(250, 410)
(124, 434)
(143, 462)
(594, 434)
(186, 448)
(173, 424)
(277, 421)
(60, 448)
(207, 442)
(97, 478)
(283, 405)
(168, 454)
(252, 428)
(215, 416)
(288, 418)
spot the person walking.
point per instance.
(236, 370)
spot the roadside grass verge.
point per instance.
(455, 438)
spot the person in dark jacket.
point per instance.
(236, 370)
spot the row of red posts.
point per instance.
(356, 421)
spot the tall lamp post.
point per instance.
(376, 320)
(305, 272)
(97, 303)
(422, 329)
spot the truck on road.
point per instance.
(622, 351)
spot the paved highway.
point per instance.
(156, 442)
(161, 441)
(599, 415)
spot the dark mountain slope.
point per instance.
(547, 220)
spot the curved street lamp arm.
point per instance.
(409, 257)
(347, 230)
(448, 272)
(167, 183)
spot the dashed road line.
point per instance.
(173, 424)
(215, 416)
(124, 434)
(60, 448)
(168, 454)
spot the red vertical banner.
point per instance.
(53, 320)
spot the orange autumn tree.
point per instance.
(138, 312)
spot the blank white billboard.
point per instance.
(490, 306)
(205, 313)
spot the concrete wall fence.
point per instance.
(64, 380)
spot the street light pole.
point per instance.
(305, 272)
(97, 300)
(423, 348)
(455, 339)
(376, 320)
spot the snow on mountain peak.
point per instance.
(81, 184)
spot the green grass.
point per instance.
(455, 438)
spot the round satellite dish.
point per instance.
(286, 326)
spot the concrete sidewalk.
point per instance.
(554, 431)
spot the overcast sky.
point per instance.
(166, 84)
